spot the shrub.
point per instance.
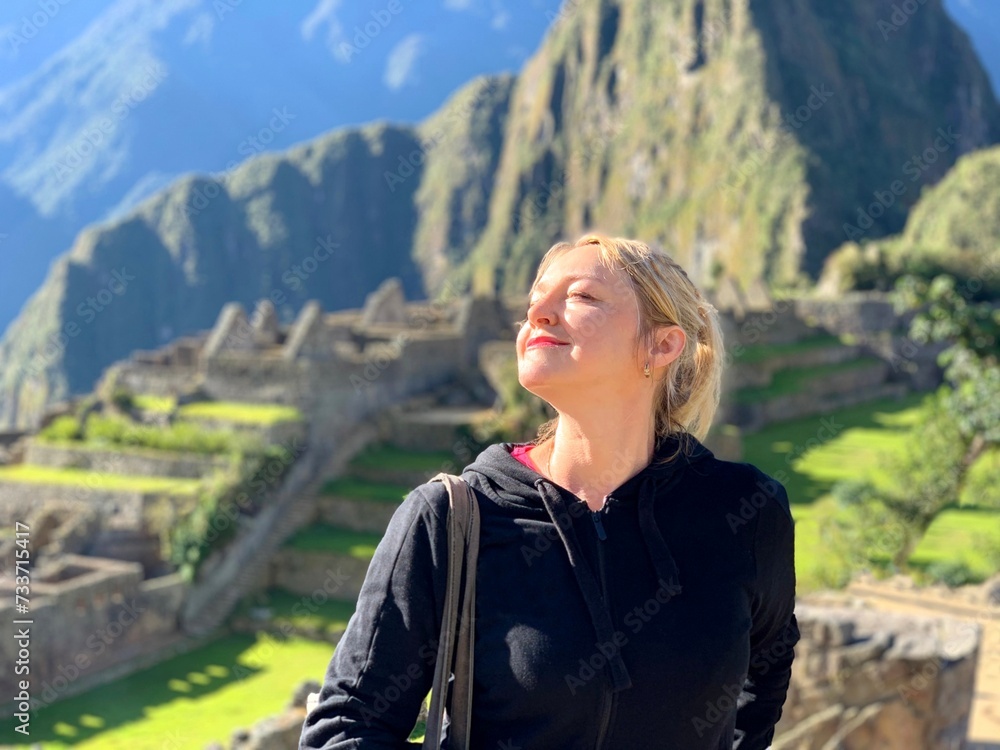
(219, 507)
(180, 436)
(62, 429)
(951, 574)
(123, 398)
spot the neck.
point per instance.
(592, 463)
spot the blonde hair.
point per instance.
(687, 395)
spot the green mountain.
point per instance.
(742, 136)
(954, 228)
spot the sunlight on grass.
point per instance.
(778, 448)
(237, 411)
(65, 730)
(154, 403)
(229, 683)
(958, 535)
(98, 480)
(854, 443)
(298, 611)
(322, 538)
(181, 686)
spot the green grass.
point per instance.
(240, 412)
(382, 492)
(301, 611)
(115, 430)
(153, 403)
(323, 538)
(384, 455)
(762, 352)
(792, 380)
(33, 474)
(954, 538)
(853, 446)
(185, 702)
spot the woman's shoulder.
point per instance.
(429, 498)
(746, 482)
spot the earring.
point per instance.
(646, 369)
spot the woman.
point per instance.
(633, 590)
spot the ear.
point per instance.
(669, 343)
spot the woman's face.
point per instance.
(593, 313)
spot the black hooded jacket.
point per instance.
(664, 620)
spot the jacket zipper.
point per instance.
(598, 524)
(609, 696)
(601, 533)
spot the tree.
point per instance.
(959, 423)
(924, 478)
(972, 370)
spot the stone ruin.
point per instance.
(866, 679)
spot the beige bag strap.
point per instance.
(463, 545)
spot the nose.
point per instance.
(540, 313)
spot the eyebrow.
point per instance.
(571, 277)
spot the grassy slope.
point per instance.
(812, 462)
(185, 702)
(96, 480)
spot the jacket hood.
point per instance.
(510, 483)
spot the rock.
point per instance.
(387, 304)
(302, 693)
(867, 679)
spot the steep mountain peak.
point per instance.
(740, 134)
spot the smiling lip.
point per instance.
(544, 341)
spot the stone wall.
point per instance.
(9, 437)
(128, 522)
(353, 514)
(858, 313)
(89, 614)
(778, 325)
(160, 380)
(122, 509)
(304, 572)
(871, 319)
(864, 679)
(339, 368)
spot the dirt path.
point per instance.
(984, 727)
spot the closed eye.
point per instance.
(582, 295)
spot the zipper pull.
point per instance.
(601, 533)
